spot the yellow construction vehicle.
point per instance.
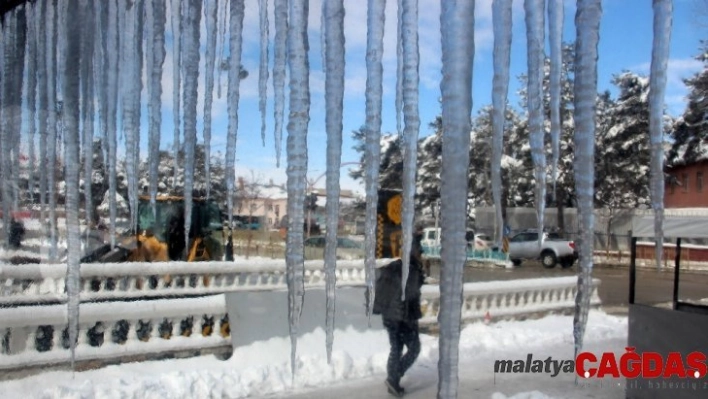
(160, 236)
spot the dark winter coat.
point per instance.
(387, 301)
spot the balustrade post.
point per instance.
(57, 338)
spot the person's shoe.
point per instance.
(394, 388)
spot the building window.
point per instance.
(684, 182)
(699, 182)
(277, 209)
(254, 207)
(270, 207)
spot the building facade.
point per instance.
(686, 186)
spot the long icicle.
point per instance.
(502, 24)
(43, 114)
(113, 43)
(33, 20)
(334, 98)
(297, 166)
(128, 92)
(236, 30)
(411, 118)
(555, 34)
(190, 64)
(457, 31)
(71, 113)
(279, 63)
(399, 66)
(376, 19)
(263, 66)
(155, 58)
(52, 105)
(210, 19)
(176, 82)
(587, 22)
(87, 102)
(663, 18)
(534, 100)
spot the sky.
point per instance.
(358, 367)
(625, 44)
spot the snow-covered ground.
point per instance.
(357, 369)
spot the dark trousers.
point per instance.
(401, 333)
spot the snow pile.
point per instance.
(263, 368)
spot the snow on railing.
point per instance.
(36, 335)
(500, 299)
(45, 283)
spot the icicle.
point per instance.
(191, 76)
(210, 16)
(155, 52)
(101, 75)
(18, 81)
(411, 61)
(33, 20)
(501, 14)
(587, 25)
(71, 89)
(13, 67)
(279, 61)
(112, 111)
(87, 101)
(130, 96)
(222, 42)
(297, 165)
(376, 20)
(555, 33)
(334, 97)
(52, 105)
(535, 48)
(663, 18)
(457, 31)
(399, 67)
(176, 79)
(263, 69)
(43, 27)
(236, 40)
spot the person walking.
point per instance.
(400, 317)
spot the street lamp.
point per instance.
(310, 188)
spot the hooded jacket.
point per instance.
(387, 301)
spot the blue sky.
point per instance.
(625, 44)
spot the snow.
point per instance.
(357, 369)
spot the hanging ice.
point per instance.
(535, 48)
(263, 68)
(14, 36)
(663, 10)
(210, 16)
(501, 15)
(87, 101)
(587, 25)
(101, 75)
(112, 111)
(176, 81)
(71, 94)
(555, 33)
(334, 97)
(299, 119)
(236, 29)
(155, 57)
(190, 64)
(222, 41)
(411, 61)
(52, 106)
(399, 66)
(33, 22)
(279, 63)
(376, 19)
(130, 97)
(457, 30)
(43, 114)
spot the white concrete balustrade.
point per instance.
(44, 283)
(36, 335)
(503, 299)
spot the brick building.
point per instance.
(686, 186)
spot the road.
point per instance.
(653, 287)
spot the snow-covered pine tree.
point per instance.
(690, 131)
